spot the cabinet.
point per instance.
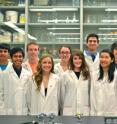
(100, 17)
(12, 28)
(53, 23)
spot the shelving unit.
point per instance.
(100, 17)
(62, 22)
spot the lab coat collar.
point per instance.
(11, 70)
(88, 56)
(51, 84)
(28, 67)
(74, 75)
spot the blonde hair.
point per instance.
(38, 76)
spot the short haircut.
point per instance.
(5, 46)
(92, 35)
(32, 43)
(114, 46)
(15, 50)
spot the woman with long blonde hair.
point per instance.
(43, 90)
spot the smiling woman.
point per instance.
(43, 92)
(104, 87)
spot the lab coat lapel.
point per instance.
(42, 90)
(51, 84)
(12, 71)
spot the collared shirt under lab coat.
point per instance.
(74, 94)
(9, 63)
(93, 66)
(14, 91)
(38, 102)
(104, 96)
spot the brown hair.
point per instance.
(66, 46)
(38, 76)
(84, 66)
(32, 43)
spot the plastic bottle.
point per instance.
(22, 18)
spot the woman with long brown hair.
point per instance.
(75, 86)
(43, 91)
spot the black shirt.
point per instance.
(45, 91)
(77, 74)
(17, 70)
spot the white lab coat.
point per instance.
(104, 96)
(2, 107)
(9, 64)
(74, 94)
(38, 102)
(27, 66)
(58, 69)
(14, 91)
(93, 66)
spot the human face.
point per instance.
(105, 60)
(4, 55)
(115, 55)
(17, 59)
(92, 44)
(65, 54)
(77, 62)
(33, 51)
(46, 65)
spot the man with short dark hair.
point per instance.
(91, 54)
(13, 85)
(4, 56)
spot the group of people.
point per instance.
(82, 82)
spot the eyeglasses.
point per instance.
(65, 53)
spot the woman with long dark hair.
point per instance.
(104, 87)
(75, 86)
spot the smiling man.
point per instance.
(91, 54)
(4, 56)
(33, 57)
(15, 80)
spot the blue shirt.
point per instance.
(3, 67)
(93, 55)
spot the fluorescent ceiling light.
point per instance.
(58, 21)
(65, 9)
(67, 38)
(111, 9)
(109, 38)
(64, 33)
(41, 10)
(105, 20)
(54, 9)
(107, 28)
(107, 34)
(13, 26)
(63, 28)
